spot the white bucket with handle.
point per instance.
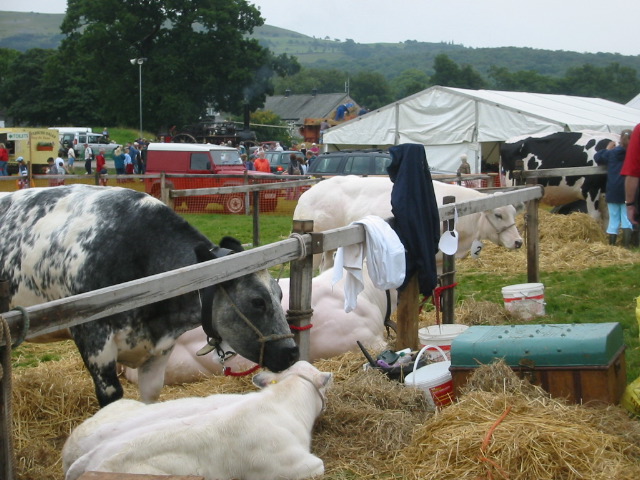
(434, 379)
(525, 299)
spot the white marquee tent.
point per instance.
(454, 121)
(634, 102)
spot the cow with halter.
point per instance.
(63, 241)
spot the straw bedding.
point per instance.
(374, 427)
(567, 242)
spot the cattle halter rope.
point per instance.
(499, 231)
(261, 338)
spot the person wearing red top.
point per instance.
(261, 164)
(631, 170)
(101, 167)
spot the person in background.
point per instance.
(142, 160)
(631, 172)
(4, 159)
(294, 165)
(118, 161)
(101, 167)
(88, 158)
(261, 164)
(310, 158)
(128, 162)
(248, 164)
(71, 158)
(134, 153)
(324, 125)
(105, 134)
(613, 158)
(52, 168)
(464, 167)
(315, 149)
(23, 173)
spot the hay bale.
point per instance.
(368, 421)
(503, 429)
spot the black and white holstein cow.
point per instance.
(62, 241)
(561, 150)
(263, 435)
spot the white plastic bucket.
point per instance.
(525, 299)
(440, 336)
(434, 379)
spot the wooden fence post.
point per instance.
(533, 239)
(247, 195)
(164, 194)
(447, 304)
(299, 313)
(6, 423)
(256, 219)
(408, 307)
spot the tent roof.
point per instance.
(634, 102)
(445, 115)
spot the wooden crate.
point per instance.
(581, 363)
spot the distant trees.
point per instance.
(196, 55)
(409, 82)
(370, 89)
(448, 73)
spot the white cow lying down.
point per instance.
(334, 332)
(254, 436)
(338, 201)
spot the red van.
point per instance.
(217, 162)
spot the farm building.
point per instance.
(455, 121)
(306, 112)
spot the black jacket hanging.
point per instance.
(414, 206)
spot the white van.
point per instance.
(70, 136)
(78, 136)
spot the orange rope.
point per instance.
(485, 444)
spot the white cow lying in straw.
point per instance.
(338, 201)
(256, 436)
(334, 332)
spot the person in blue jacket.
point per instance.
(613, 158)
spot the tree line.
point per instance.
(201, 56)
(373, 90)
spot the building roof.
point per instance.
(295, 108)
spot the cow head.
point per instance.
(499, 226)
(246, 312)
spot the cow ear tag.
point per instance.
(476, 248)
(449, 240)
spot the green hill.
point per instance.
(22, 31)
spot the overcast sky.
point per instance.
(574, 25)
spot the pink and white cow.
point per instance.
(334, 331)
(260, 435)
(338, 201)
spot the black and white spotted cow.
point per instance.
(561, 150)
(62, 241)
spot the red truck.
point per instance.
(213, 166)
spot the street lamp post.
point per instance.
(139, 61)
